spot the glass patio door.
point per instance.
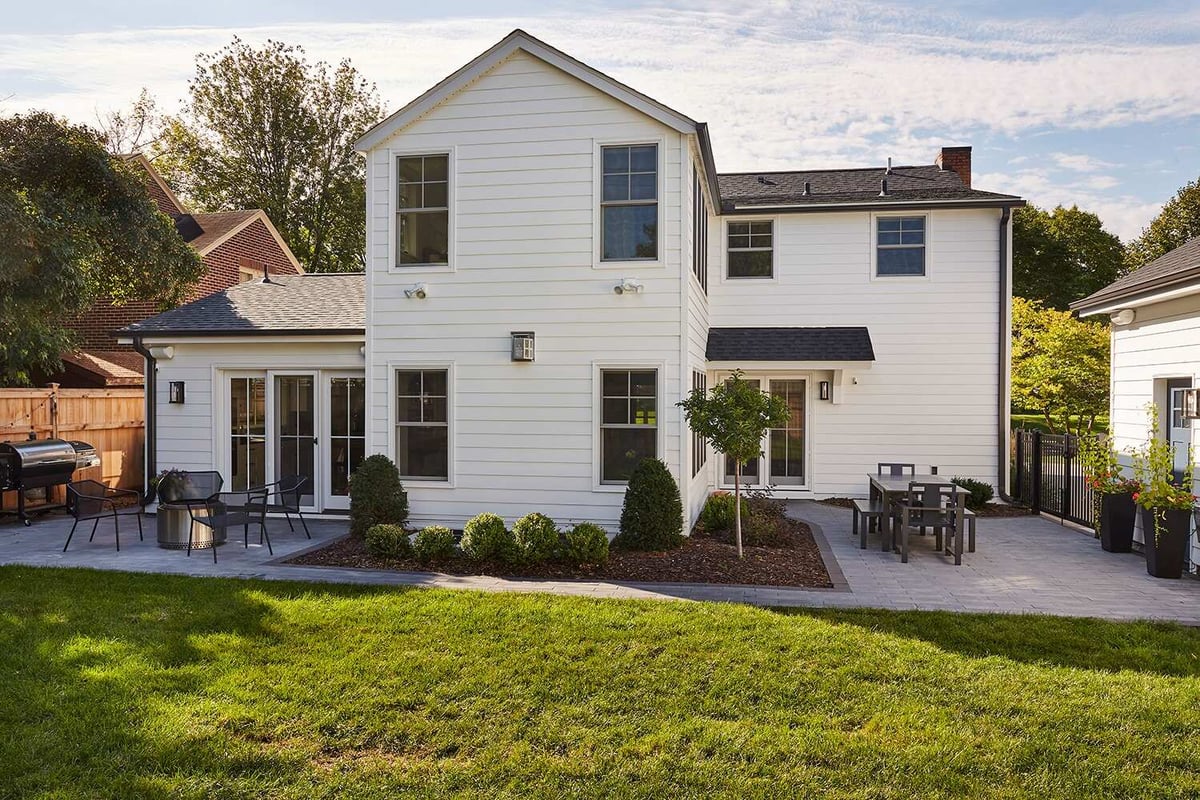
(247, 435)
(751, 470)
(785, 446)
(346, 400)
(295, 427)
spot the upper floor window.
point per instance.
(751, 249)
(629, 202)
(699, 234)
(900, 246)
(423, 210)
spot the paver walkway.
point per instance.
(1023, 564)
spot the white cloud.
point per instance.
(1122, 213)
(1080, 162)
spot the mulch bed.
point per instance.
(701, 559)
(989, 510)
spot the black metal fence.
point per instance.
(1049, 478)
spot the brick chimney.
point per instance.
(957, 159)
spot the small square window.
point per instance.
(900, 246)
(750, 249)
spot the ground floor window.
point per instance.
(628, 421)
(699, 443)
(422, 424)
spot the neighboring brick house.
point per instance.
(235, 246)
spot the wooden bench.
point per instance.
(863, 511)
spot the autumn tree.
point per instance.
(1178, 222)
(266, 128)
(77, 225)
(1062, 255)
(1060, 366)
(136, 129)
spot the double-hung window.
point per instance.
(628, 421)
(751, 249)
(699, 234)
(422, 424)
(899, 246)
(699, 443)
(423, 210)
(629, 203)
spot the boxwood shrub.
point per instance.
(388, 541)
(536, 536)
(486, 538)
(717, 514)
(434, 543)
(585, 543)
(981, 493)
(376, 495)
(652, 516)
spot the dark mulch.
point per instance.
(701, 559)
(989, 510)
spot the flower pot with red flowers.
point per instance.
(1115, 510)
(1166, 505)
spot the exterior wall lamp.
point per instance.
(175, 392)
(522, 345)
(823, 390)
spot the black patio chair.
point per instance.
(195, 487)
(285, 498)
(229, 510)
(930, 505)
(95, 501)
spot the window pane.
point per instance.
(408, 409)
(410, 196)
(434, 382)
(643, 187)
(643, 159)
(436, 168)
(912, 224)
(642, 384)
(751, 264)
(760, 240)
(901, 261)
(630, 232)
(339, 412)
(616, 411)
(912, 237)
(739, 240)
(422, 451)
(358, 406)
(889, 224)
(435, 195)
(434, 408)
(622, 449)
(424, 237)
(615, 383)
(408, 382)
(739, 228)
(616, 159)
(616, 187)
(761, 227)
(644, 411)
(889, 238)
(409, 169)
(239, 413)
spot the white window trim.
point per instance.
(775, 226)
(598, 261)
(451, 205)
(764, 377)
(452, 394)
(660, 368)
(874, 236)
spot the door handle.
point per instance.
(315, 440)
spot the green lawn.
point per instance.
(116, 685)
(1038, 422)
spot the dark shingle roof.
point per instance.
(850, 187)
(304, 304)
(1178, 266)
(790, 344)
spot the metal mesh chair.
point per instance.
(285, 497)
(95, 501)
(229, 510)
(197, 487)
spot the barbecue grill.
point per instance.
(39, 464)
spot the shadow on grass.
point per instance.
(1078, 643)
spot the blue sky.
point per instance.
(1068, 102)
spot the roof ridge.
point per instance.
(831, 169)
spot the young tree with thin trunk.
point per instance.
(734, 418)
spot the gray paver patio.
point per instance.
(1023, 565)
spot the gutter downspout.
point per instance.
(1003, 365)
(151, 391)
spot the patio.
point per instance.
(1023, 565)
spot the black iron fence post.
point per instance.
(1036, 472)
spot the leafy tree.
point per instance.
(265, 128)
(734, 417)
(136, 129)
(1178, 221)
(76, 225)
(1059, 365)
(1062, 255)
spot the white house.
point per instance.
(1155, 314)
(553, 262)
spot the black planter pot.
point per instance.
(1165, 552)
(1117, 515)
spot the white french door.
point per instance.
(784, 460)
(292, 419)
(345, 432)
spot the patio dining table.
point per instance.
(887, 488)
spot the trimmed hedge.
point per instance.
(434, 543)
(586, 543)
(388, 541)
(486, 538)
(981, 493)
(376, 495)
(536, 538)
(652, 515)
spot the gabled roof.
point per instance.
(310, 304)
(1173, 270)
(106, 367)
(160, 192)
(754, 192)
(790, 344)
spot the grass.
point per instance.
(1038, 422)
(118, 685)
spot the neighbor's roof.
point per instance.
(790, 344)
(917, 185)
(1170, 270)
(309, 304)
(107, 367)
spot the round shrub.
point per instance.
(586, 543)
(536, 536)
(652, 516)
(981, 493)
(434, 543)
(388, 541)
(485, 538)
(717, 514)
(376, 495)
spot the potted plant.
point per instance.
(1166, 506)
(169, 485)
(1114, 493)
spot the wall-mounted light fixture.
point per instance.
(823, 390)
(629, 286)
(522, 345)
(419, 291)
(1123, 317)
(175, 392)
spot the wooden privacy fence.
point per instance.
(111, 420)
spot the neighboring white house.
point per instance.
(1155, 314)
(552, 264)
